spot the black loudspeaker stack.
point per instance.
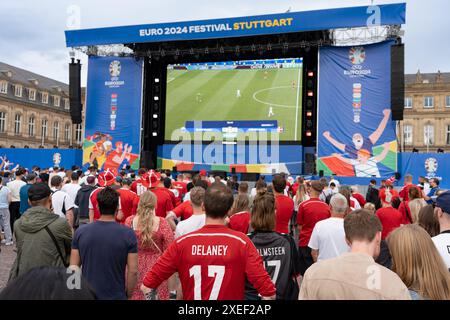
(397, 81)
(75, 91)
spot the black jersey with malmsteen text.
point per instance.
(281, 261)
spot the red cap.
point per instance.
(203, 173)
(106, 178)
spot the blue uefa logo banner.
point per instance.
(113, 113)
(428, 165)
(356, 136)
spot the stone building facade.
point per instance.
(426, 124)
(35, 111)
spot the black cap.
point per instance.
(38, 192)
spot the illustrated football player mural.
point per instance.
(360, 153)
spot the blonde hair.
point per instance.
(417, 262)
(146, 213)
(370, 206)
(301, 194)
(414, 207)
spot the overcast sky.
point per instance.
(32, 32)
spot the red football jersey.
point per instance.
(212, 263)
(128, 202)
(240, 221)
(164, 202)
(184, 210)
(360, 199)
(309, 213)
(390, 218)
(181, 186)
(93, 204)
(285, 209)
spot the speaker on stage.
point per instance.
(321, 173)
(75, 91)
(146, 160)
(397, 81)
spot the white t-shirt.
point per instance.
(426, 188)
(71, 189)
(60, 199)
(14, 186)
(191, 224)
(328, 237)
(442, 243)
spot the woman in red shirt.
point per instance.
(240, 214)
(390, 217)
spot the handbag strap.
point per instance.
(57, 246)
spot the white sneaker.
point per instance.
(3, 241)
(10, 243)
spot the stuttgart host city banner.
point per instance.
(114, 104)
(356, 136)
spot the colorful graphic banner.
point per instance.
(113, 113)
(254, 158)
(389, 14)
(356, 136)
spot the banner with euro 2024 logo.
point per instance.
(113, 113)
(356, 135)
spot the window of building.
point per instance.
(447, 135)
(4, 87)
(56, 131)
(67, 132)
(66, 104)
(44, 128)
(408, 134)
(428, 135)
(17, 123)
(45, 97)
(2, 122)
(78, 133)
(56, 101)
(31, 130)
(32, 95)
(428, 102)
(408, 103)
(447, 101)
(18, 90)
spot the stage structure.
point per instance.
(152, 86)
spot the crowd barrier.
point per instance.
(417, 164)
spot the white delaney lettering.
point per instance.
(209, 250)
